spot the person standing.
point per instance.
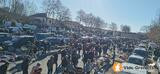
(91, 55)
(75, 57)
(70, 68)
(55, 59)
(99, 50)
(114, 55)
(36, 69)
(50, 65)
(65, 61)
(85, 57)
(25, 65)
(88, 67)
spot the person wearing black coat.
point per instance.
(25, 65)
(50, 65)
(55, 59)
(85, 57)
(3, 68)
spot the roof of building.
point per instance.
(39, 15)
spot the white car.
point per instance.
(158, 64)
(141, 52)
(142, 45)
(134, 69)
(134, 62)
(136, 59)
(152, 45)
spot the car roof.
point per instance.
(139, 48)
(26, 36)
(45, 33)
(136, 56)
(50, 38)
(141, 44)
(3, 33)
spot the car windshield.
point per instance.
(135, 61)
(141, 53)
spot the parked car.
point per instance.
(41, 36)
(7, 56)
(17, 42)
(141, 52)
(53, 40)
(158, 65)
(152, 45)
(4, 37)
(142, 45)
(57, 40)
(136, 59)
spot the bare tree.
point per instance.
(29, 7)
(17, 7)
(153, 31)
(53, 8)
(99, 22)
(125, 28)
(65, 15)
(2, 3)
(56, 10)
(113, 26)
(80, 16)
(144, 29)
(89, 19)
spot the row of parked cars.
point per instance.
(138, 59)
(52, 39)
(11, 45)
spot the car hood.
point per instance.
(134, 69)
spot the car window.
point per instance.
(135, 61)
(141, 53)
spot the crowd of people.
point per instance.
(89, 51)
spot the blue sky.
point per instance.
(135, 13)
